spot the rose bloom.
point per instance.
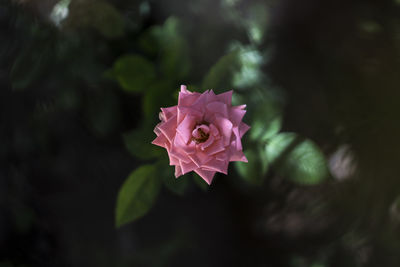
(202, 133)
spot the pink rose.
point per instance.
(203, 133)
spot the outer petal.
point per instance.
(218, 107)
(225, 128)
(216, 165)
(226, 97)
(206, 175)
(178, 171)
(243, 128)
(160, 141)
(169, 112)
(236, 155)
(185, 128)
(235, 130)
(168, 128)
(236, 115)
(188, 167)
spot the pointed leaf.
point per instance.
(137, 195)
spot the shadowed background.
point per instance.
(81, 84)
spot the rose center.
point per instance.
(200, 133)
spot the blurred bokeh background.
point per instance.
(81, 84)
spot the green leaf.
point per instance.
(299, 159)
(137, 195)
(173, 49)
(159, 94)
(133, 72)
(266, 115)
(220, 76)
(138, 143)
(255, 169)
(257, 22)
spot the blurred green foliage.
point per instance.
(137, 195)
(87, 75)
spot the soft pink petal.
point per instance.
(169, 112)
(185, 128)
(207, 143)
(224, 155)
(202, 156)
(218, 107)
(214, 131)
(235, 130)
(236, 155)
(225, 128)
(200, 102)
(184, 90)
(236, 115)
(178, 171)
(179, 154)
(195, 160)
(216, 165)
(243, 128)
(216, 147)
(160, 141)
(187, 167)
(183, 111)
(226, 97)
(211, 97)
(182, 147)
(186, 98)
(206, 175)
(168, 128)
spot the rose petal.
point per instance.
(178, 171)
(225, 128)
(185, 128)
(243, 128)
(216, 165)
(207, 143)
(218, 107)
(187, 167)
(184, 148)
(169, 112)
(160, 141)
(211, 97)
(226, 97)
(236, 115)
(206, 175)
(168, 128)
(200, 102)
(216, 147)
(235, 130)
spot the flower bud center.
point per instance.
(200, 133)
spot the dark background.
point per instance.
(71, 131)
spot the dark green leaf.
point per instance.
(138, 143)
(220, 76)
(137, 195)
(159, 94)
(168, 41)
(298, 159)
(133, 72)
(255, 169)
